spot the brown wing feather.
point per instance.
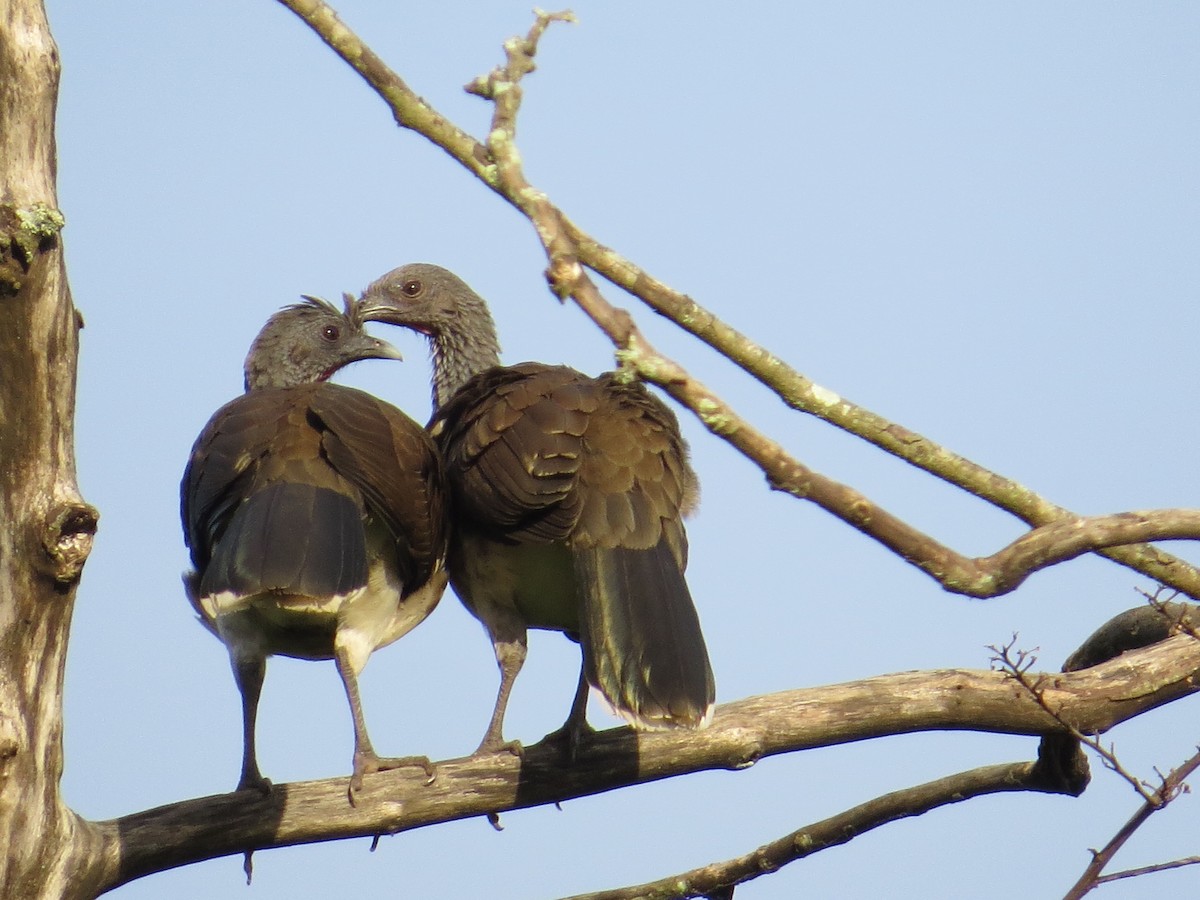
(328, 436)
(511, 438)
(393, 462)
(635, 479)
(522, 441)
(253, 439)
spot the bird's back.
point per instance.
(292, 494)
(545, 453)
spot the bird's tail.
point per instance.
(642, 644)
(290, 538)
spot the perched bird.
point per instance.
(567, 496)
(315, 517)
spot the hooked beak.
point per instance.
(379, 312)
(381, 349)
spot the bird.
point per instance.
(567, 495)
(314, 514)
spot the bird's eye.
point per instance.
(331, 333)
(411, 288)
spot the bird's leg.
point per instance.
(248, 672)
(576, 728)
(366, 760)
(510, 657)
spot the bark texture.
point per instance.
(45, 527)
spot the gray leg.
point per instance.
(573, 731)
(248, 672)
(510, 657)
(366, 760)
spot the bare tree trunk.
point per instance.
(45, 527)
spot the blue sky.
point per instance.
(978, 221)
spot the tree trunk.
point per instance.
(45, 527)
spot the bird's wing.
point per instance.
(393, 462)
(224, 463)
(512, 439)
(635, 483)
(261, 506)
(545, 453)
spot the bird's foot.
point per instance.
(569, 739)
(497, 744)
(367, 763)
(253, 781)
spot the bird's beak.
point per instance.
(376, 309)
(373, 310)
(381, 349)
(374, 348)
(388, 314)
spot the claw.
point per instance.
(569, 738)
(367, 763)
(494, 745)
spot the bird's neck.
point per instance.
(457, 357)
(262, 375)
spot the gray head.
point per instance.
(309, 341)
(440, 305)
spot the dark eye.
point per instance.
(331, 333)
(412, 287)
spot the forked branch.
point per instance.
(1172, 785)
(497, 164)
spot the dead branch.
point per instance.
(1016, 664)
(840, 829)
(1000, 573)
(743, 732)
(566, 242)
(1170, 788)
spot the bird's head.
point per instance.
(309, 341)
(428, 299)
(440, 305)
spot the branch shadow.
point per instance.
(604, 760)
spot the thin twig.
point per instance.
(1016, 663)
(1148, 870)
(1181, 617)
(1125, 633)
(1173, 784)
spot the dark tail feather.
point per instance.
(642, 644)
(291, 538)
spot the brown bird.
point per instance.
(315, 517)
(567, 496)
